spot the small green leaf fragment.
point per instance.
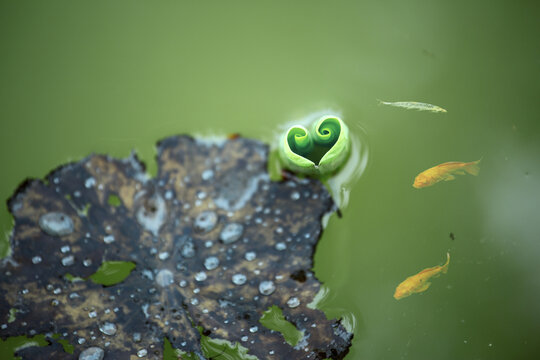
(84, 210)
(72, 278)
(213, 348)
(65, 344)
(223, 349)
(170, 353)
(15, 343)
(114, 200)
(273, 319)
(12, 315)
(112, 272)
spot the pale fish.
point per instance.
(413, 105)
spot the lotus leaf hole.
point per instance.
(299, 275)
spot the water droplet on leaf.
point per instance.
(200, 276)
(231, 232)
(205, 221)
(56, 224)
(142, 353)
(211, 262)
(108, 328)
(267, 287)
(239, 279)
(164, 278)
(68, 260)
(93, 353)
(293, 302)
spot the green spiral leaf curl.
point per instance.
(299, 140)
(317, 152)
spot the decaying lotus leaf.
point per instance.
(215, 244)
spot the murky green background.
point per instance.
(108, 77)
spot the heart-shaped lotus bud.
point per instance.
(318, 151)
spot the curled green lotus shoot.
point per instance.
(316, 151)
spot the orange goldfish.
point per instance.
(419, 282)
(445, 172)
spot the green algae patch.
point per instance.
(112, 272)
(273, 319)
(72, 278)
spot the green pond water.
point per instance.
(109, 77)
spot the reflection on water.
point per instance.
(342, 183)
(322, 296)
(323, 301)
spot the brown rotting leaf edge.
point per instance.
(215, 243)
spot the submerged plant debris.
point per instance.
(215, 244)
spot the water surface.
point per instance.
(110, 77)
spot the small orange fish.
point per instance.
(419, 282)
(445, 172)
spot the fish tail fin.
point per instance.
(473, 168)
(444, 268)
(380, 102)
